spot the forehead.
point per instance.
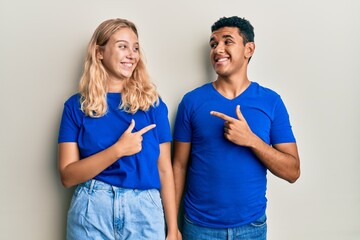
(124, 34)
(225, 32)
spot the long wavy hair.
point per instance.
(138, 92)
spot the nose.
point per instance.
(219, 48)
(131, 53)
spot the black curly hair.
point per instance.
(246, 30)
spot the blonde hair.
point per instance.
(138, 92)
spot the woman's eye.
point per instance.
(213, 45)
(122, 46)
(136, 49)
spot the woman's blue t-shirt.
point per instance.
(139, 171)
(226, 183)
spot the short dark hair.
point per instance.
(246, 30)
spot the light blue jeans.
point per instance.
(253, 231)
(102, 211)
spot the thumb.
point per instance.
(131, 126)
(239, 114)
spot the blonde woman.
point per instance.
(114, 144)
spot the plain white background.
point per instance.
(308, 51)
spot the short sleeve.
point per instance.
(281, 131)
(70, 124)
(162, 123)
(182, 129)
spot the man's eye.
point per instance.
(213, 45)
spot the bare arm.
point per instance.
(168, 190)
(281, 159)
(73, 171)
(180, 164)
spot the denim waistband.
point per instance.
(97, 185)
(94, 184)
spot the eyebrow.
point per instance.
(120, 40)
(223, 36)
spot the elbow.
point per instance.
(295, 172)
(66, 181)
(179, 166)
(66, 184)
(295, 176)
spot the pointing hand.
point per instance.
(236, 130)
(131, 142)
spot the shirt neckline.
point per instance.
(233, 99)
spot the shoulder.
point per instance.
(73, 100)
(73, 103)
(199, 90)
(264, 92)
(159, 106)
(269, 99)
(197, 93)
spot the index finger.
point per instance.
(221, 115)
(145, 129)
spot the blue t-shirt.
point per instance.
(139, 171)
(226, 183)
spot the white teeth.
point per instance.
(221, 60)
(128, 64)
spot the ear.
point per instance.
(249, 49)
(99, 52)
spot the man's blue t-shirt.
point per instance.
(139, 171)
(226, 183)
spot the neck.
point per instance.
(231, 88)
(115, 86)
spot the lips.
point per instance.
(220, 62)
(220, 59)
(127, 64)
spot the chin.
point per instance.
(127, 75)
(221, 73)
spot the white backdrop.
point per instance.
(308, 51)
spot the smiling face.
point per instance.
(229, 56)
(120, 54)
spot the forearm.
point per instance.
(282, 160)
(167, 190)
(82, 170)
(179, 179)
(180, 165)
(168, 198)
